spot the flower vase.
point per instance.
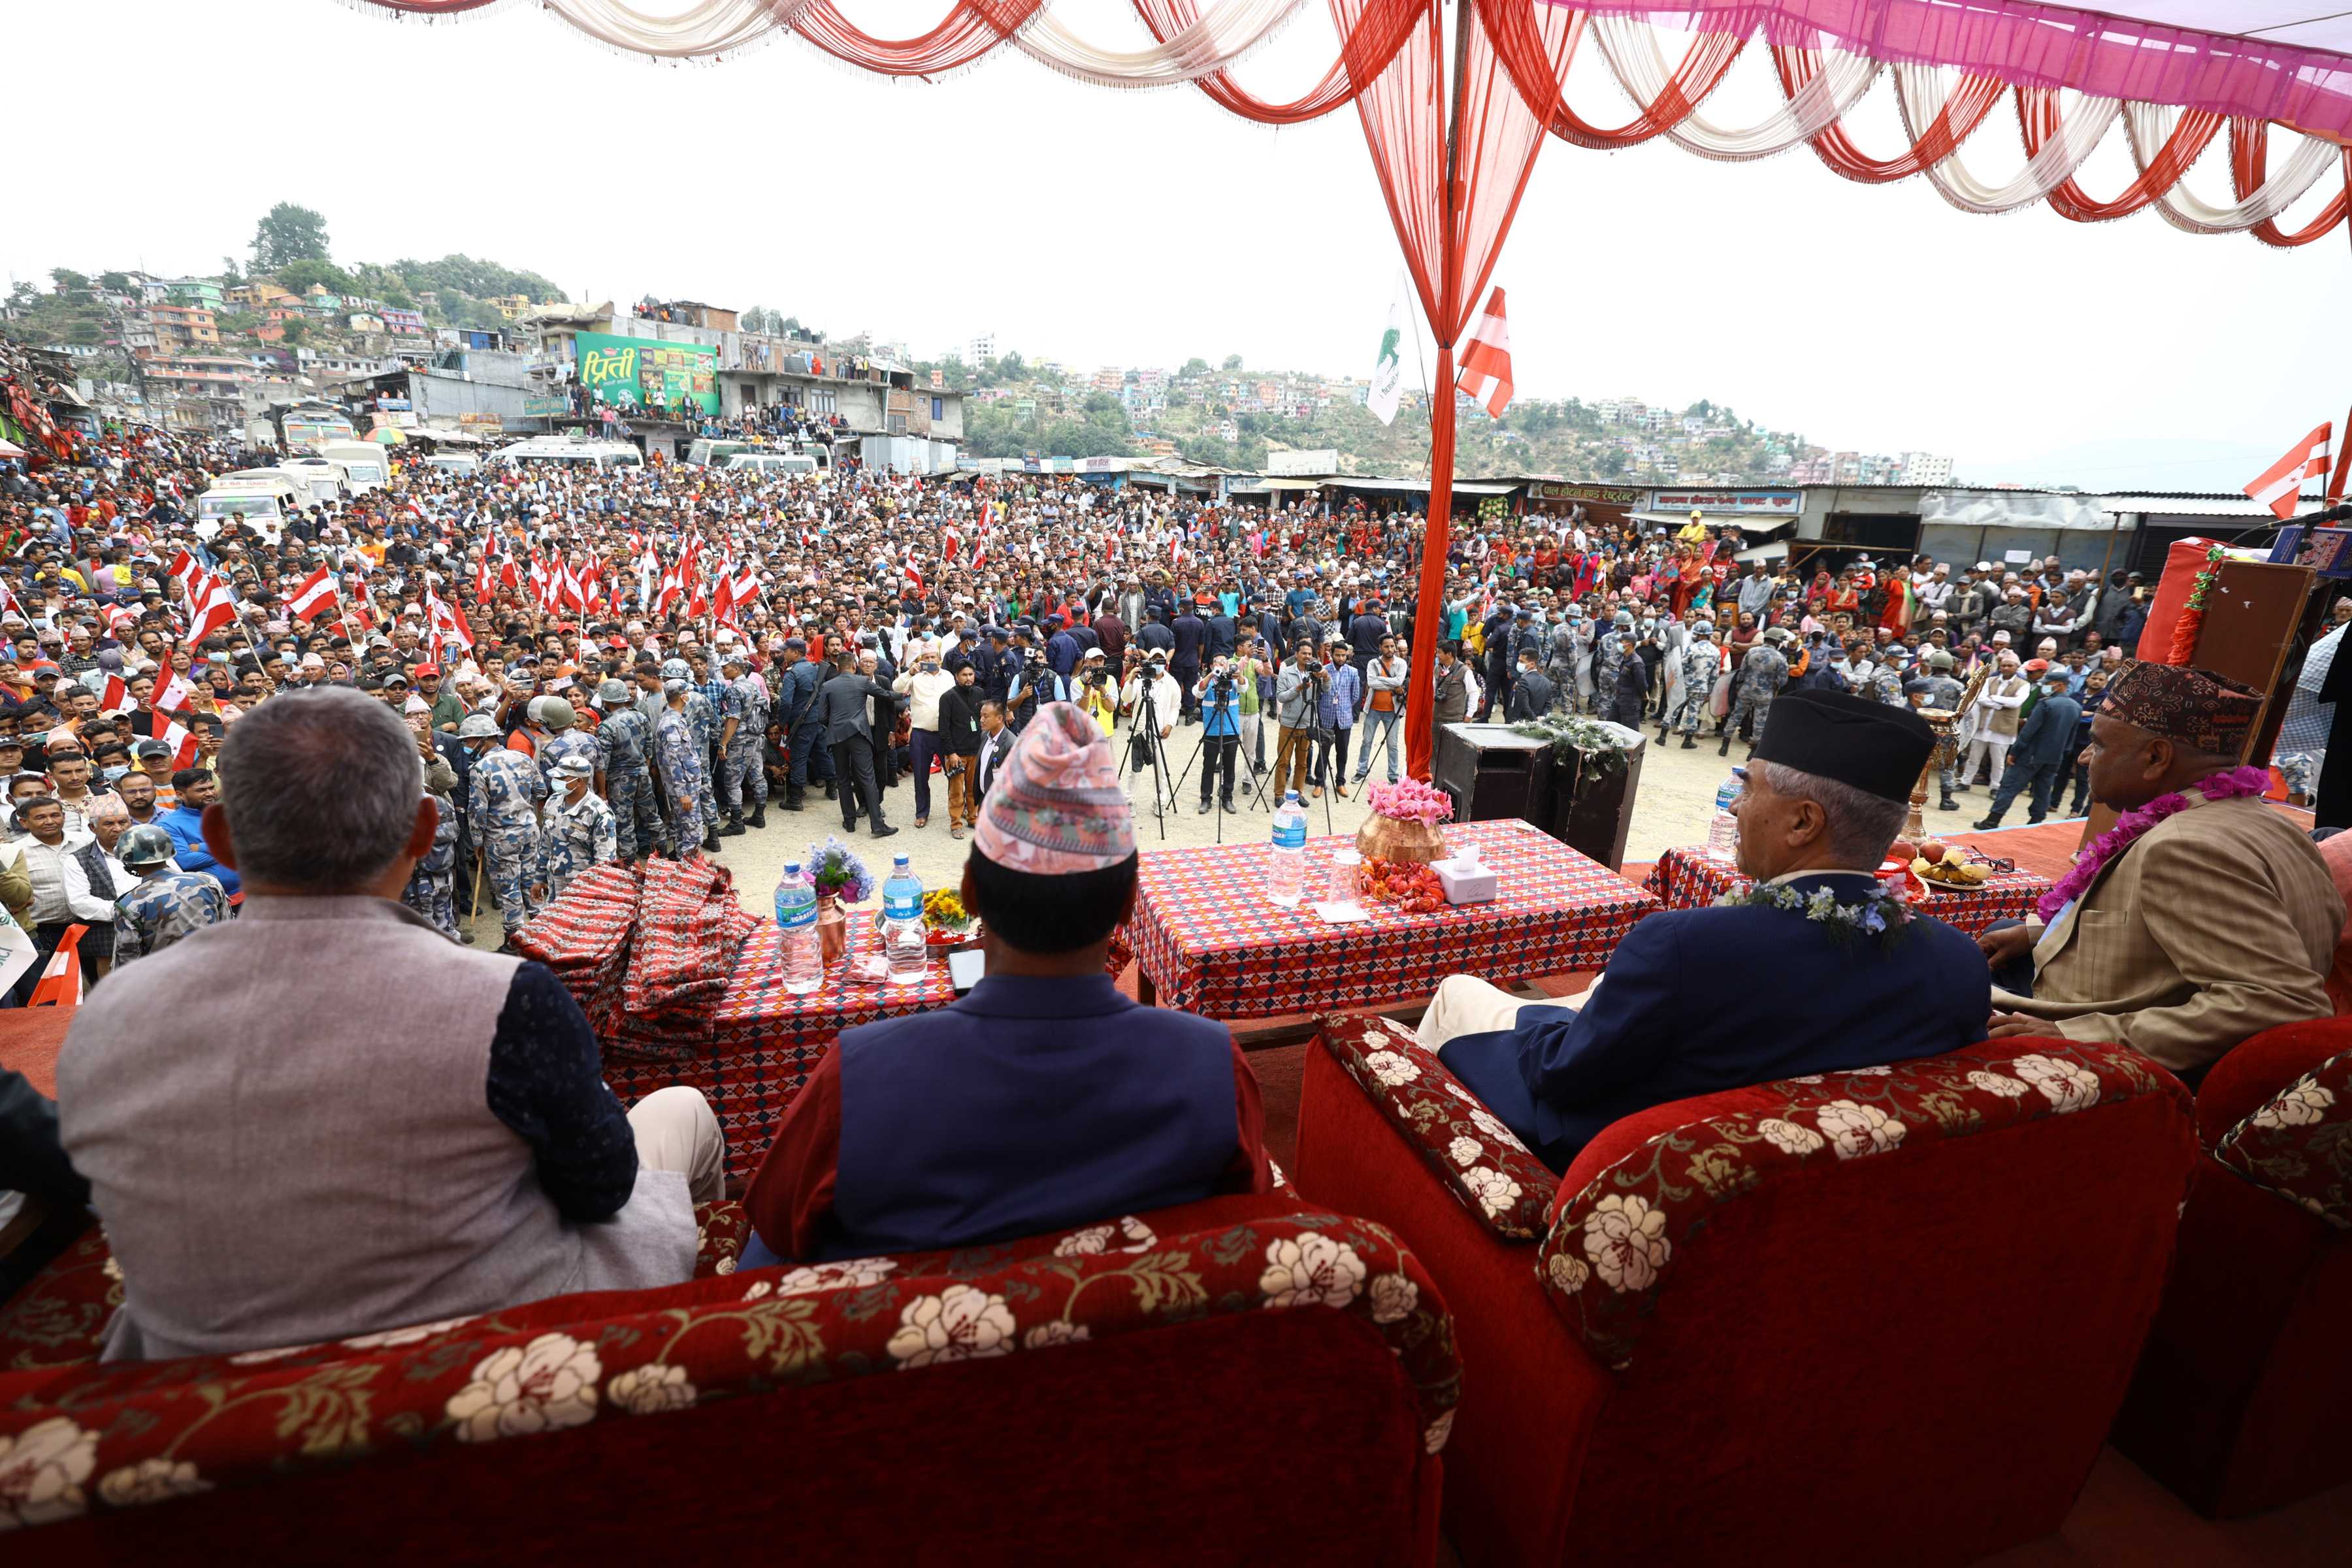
(832, 929)
(1387, 838)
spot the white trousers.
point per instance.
(676, 1130)
(1999, 746)
(1465, 1004)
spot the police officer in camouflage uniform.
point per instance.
(1761, 675)
(504, 809)
(744, 716)
(679, 754)
(627, 739)
(1702, 663)
(576, 829)
(167, 904)
(1885, 683)
(432, 885)
(565, 739)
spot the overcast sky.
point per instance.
(1107, 228)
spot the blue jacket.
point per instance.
(1336, 708)
(186, 823)
(1697, 1001)
(2048, 732)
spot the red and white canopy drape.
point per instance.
(1453, 147)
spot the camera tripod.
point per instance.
(1147, 731)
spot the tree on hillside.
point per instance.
(115, 282)
(298, 276)
(1233, 362)
(1196, 365)
(72, 286)
(287, 233)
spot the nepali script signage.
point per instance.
(638, 373)
(1743, 504)
(1608, 495)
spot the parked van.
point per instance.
(322, 479)
(769, 462)
(574, 452)
(465, 465)
(366, 466)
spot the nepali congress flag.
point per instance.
(210, 609)
(1486, 376)
(315, 596)
(2280, 486)
(181, 741)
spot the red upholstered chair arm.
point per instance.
(128, 1433)
(720, 1231)
(2298, 1143)
(1486, 1170)
(1612, 1247)
(2244, 1080)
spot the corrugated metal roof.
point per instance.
(2191, 505)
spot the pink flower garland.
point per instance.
(2228, 785)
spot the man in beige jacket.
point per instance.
(2217, 922)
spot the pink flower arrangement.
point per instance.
(1410, 800)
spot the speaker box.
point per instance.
(1490, 772)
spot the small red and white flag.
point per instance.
(115, 698)
(207, 615)
(188, 573)
(60, 983)
(949, 539)
(2280, 486)
(1486, 376)
(315, 596)
(182, 743)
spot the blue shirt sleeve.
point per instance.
(547, 1084)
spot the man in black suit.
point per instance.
(845, 698)
(995, 745)
(1192, 637)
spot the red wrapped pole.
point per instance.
(1429, 607)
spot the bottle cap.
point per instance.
(792, 868)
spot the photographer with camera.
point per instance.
(1297, 695)
(1152, 701)
(1095, 693)
(1032, 684)
(1219, 693)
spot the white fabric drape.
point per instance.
(708, 29)
(2146, 125)
(1631, 49)
(1920, 93)
(1214, 41)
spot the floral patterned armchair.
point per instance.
(2238, 1404)
(1174, 1376)
(1825, 1296)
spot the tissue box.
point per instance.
(1472, 886)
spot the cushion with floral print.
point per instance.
(2299, 1144)
(60, 1315)
(123, 1435)
(1613, 1248)
(1489, 1172)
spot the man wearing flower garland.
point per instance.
(1814, 970)
(2202, 918)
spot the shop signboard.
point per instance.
(1608, 495)
(1739, 503)
(640, 373)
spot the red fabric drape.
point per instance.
(2250, 142)
(1536, 43)
(1970, 100)
(962, 36)
(1369, 36)
(2038, 119)
(1452, 210)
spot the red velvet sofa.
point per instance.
(1240, 1380)
(2241, 1398)
(1872, 1316)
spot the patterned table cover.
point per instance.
(768, 1040)
(1693, 877)
(1212, 943)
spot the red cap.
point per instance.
(428, 672)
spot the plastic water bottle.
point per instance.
(902, 924)
(1285, 864)
(1723, 832)
(797, 925)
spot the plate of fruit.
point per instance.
(1943, 864)
(1408, 885)
(946, 923)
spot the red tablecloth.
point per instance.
(1691, 879)
(767, 1040)
(1211, 942)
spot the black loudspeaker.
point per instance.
(1490, 772)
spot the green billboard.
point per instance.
(641, 373)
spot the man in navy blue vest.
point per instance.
(1697, 1001)
(1041, 1100)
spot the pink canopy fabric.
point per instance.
(2288, 60)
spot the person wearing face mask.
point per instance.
(923, 684)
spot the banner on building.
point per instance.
(648, 372)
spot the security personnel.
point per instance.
(803, 718)
(575, 829)
(743, 724)
(432, 888)
(626, 739)
(1761, 675)
(503, 805)
(167, 903)
(679, 754)
(564, 738)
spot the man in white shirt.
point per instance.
(924, 684)
(1996, 710)
(62, 894)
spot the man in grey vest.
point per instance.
(380, 1129)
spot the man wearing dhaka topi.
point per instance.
(1812, 970)
(2203, 917)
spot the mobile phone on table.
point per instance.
(965, 967)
